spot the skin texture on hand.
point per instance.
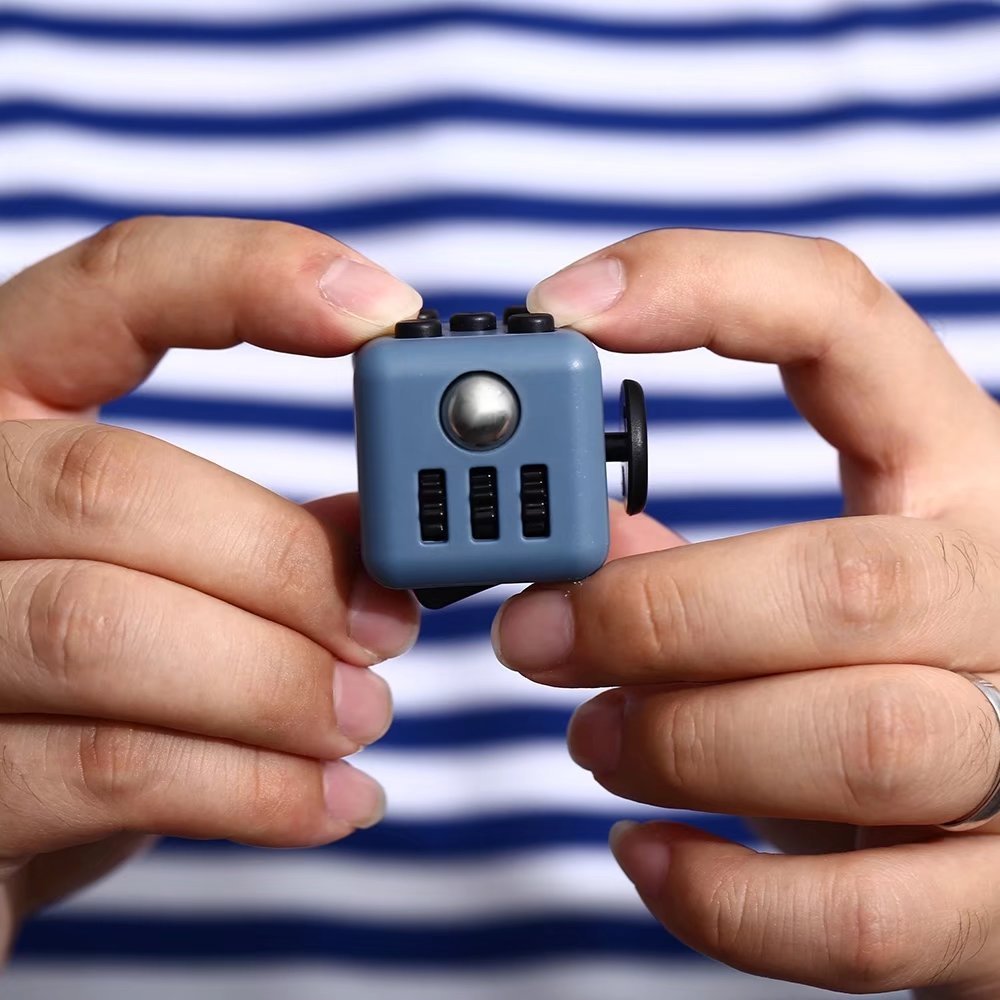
(181, 651)
(806, 676)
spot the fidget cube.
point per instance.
(482, 452)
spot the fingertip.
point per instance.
(368, 299)
(581, 291)
(642, 856)
(351, 796)
(384, 623)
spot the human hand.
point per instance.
(808, 673)
(181, 650)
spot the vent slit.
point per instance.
(535, 501)
(483, 510)
(432, 500)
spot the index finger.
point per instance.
(829, 593)
(89, 323)
(85, 491)
(861, 366)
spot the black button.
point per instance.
(414, 329)
(531, 323)
(472, 322)
(428, 314)
(513, 311)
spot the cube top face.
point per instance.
(481, 456)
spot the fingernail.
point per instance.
(351, 796)
(618, 831)
(368, 293)
(534, 631)
(595, 734)
(644, 860)
(383, 622)
(580, 290)
(362, 704)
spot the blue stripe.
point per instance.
(284, 938)
(486, 207)
(674, 410)
(476, 728)
(216, 32)
(316, 418)
(932, 302)
(460, 108)
(479, 837)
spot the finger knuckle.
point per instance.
(846, 274)
(87, 473)
(292, 554)
(110, 761)
(101, 258)
(278, 807)
(77, 623)
(869, 948)
(289, 696)
(734, 932)
(856, 577)
(883, 750)
(684, 738)
(662, 611)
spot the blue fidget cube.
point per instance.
(482, 453)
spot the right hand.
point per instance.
(181, 650)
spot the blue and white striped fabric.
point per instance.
(473, 148)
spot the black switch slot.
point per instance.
(535, 501)
(432, 498)
(483, 503)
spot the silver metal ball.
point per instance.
(480, 411)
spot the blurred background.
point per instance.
(473, 148)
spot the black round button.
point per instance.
(472, 322)
(531, 323)
(630, 446)
(415, 329)
(428, 314)
(513, 311)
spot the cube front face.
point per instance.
(542, 493)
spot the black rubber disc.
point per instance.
(636, 469)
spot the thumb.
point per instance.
(90, 323)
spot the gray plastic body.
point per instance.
(398, 388)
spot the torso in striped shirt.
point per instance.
(473, 148)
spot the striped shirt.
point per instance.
(472, 148)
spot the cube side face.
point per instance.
(399, 386)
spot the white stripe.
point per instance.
(909, 254)
(584, 881)
(466, 676)
(448, 157)
(299, 77)
(241, 11)
(580, 978)
(710, 458)
(526, 776)
(246, 372)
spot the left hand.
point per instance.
(809, 672)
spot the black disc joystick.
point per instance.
(629, 446)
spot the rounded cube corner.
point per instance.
(384, 570)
